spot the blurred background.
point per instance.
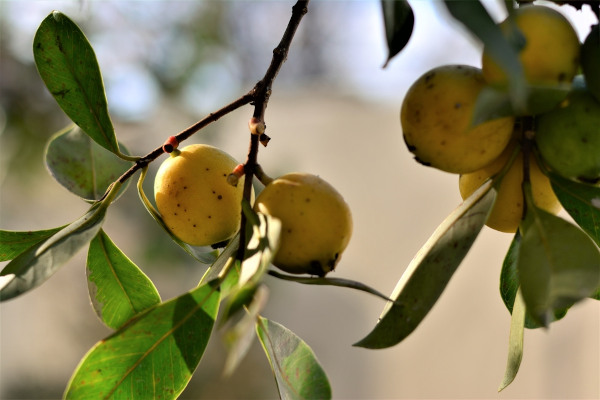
(334, 112)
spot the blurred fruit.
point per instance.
(568, 138)
(316, 222)
(436, 116)
(590, 61)
(193, 197)
(551, 52)
(508, 209)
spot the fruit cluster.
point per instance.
(202, 207)
(438, 112)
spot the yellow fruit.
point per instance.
(193, 197)
(508, 209)
(551, 52)
(436, 116)
(316, 222)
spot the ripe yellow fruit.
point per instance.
(551, 52)
(436, 119)
(508, 209)
(193, 197)
(316, 222)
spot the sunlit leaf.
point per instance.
(118, 289)
(328, 281)
(67, 64)
(81, 165)
(398, 20)
(495, 103)
(153, 356)
(515, 342)
(509, 283)
(240, 337)
(429, 272)
(297, 372)
(205, 255)
(473, 15)
(13, 243)
(36, 264)
(558, 264)
(581, 201)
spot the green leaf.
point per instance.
(36, 264)
(240, 337)
(399, 20)
(119, 290)
(297, 372)
(509, 283)
(205, 255)
(473, 15)
(13, 243)
(558, 264)
(430, 271)
(515, 342)
(81, 165)
(153, 356)
(493, 103)
(327, 281)
(67, 64)
(581, 201)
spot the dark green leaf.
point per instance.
(205, 255)
(581, 201)
(398, 19)
(495, 103)
(153, 356)
(36, 264)
(476, 19)
(67, 64)
(515, 342)
(297, 372)
(430, 271)
(118, 289)
(13, 243)
(81, 165)
(509, 283)
(324, 281)
(558, 264)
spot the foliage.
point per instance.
(157, 345)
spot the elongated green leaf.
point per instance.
(67, 64)
(202, 254)
(515, 342)
(509, 283)
(36, 264)
(325, 281)
(558, 264)
(118, 289)
(495, 103)
(473, 15)
(153, 356)
(581, 201)
(297, 372)
(239, 338)
(398, 20)
(13, 243)
(430, 271)
(81, 165)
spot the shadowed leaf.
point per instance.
(13, 243)
(398, 20)
(515, 342)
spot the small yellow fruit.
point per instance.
(436, 119)
(508, 209)
(193, 197)
(316, 222)
(551, 52)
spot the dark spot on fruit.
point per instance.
(178, 205)
(443, 143)
(562, 77)
(584, 139)
(429, 86)
(210, 216)
(289, 231)
(457, 106)
(194, 225)
(185, 187)
(208, 169)
(410, 147)
(429, 77)
(423, 162)
(307, 200)
(219, 197)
